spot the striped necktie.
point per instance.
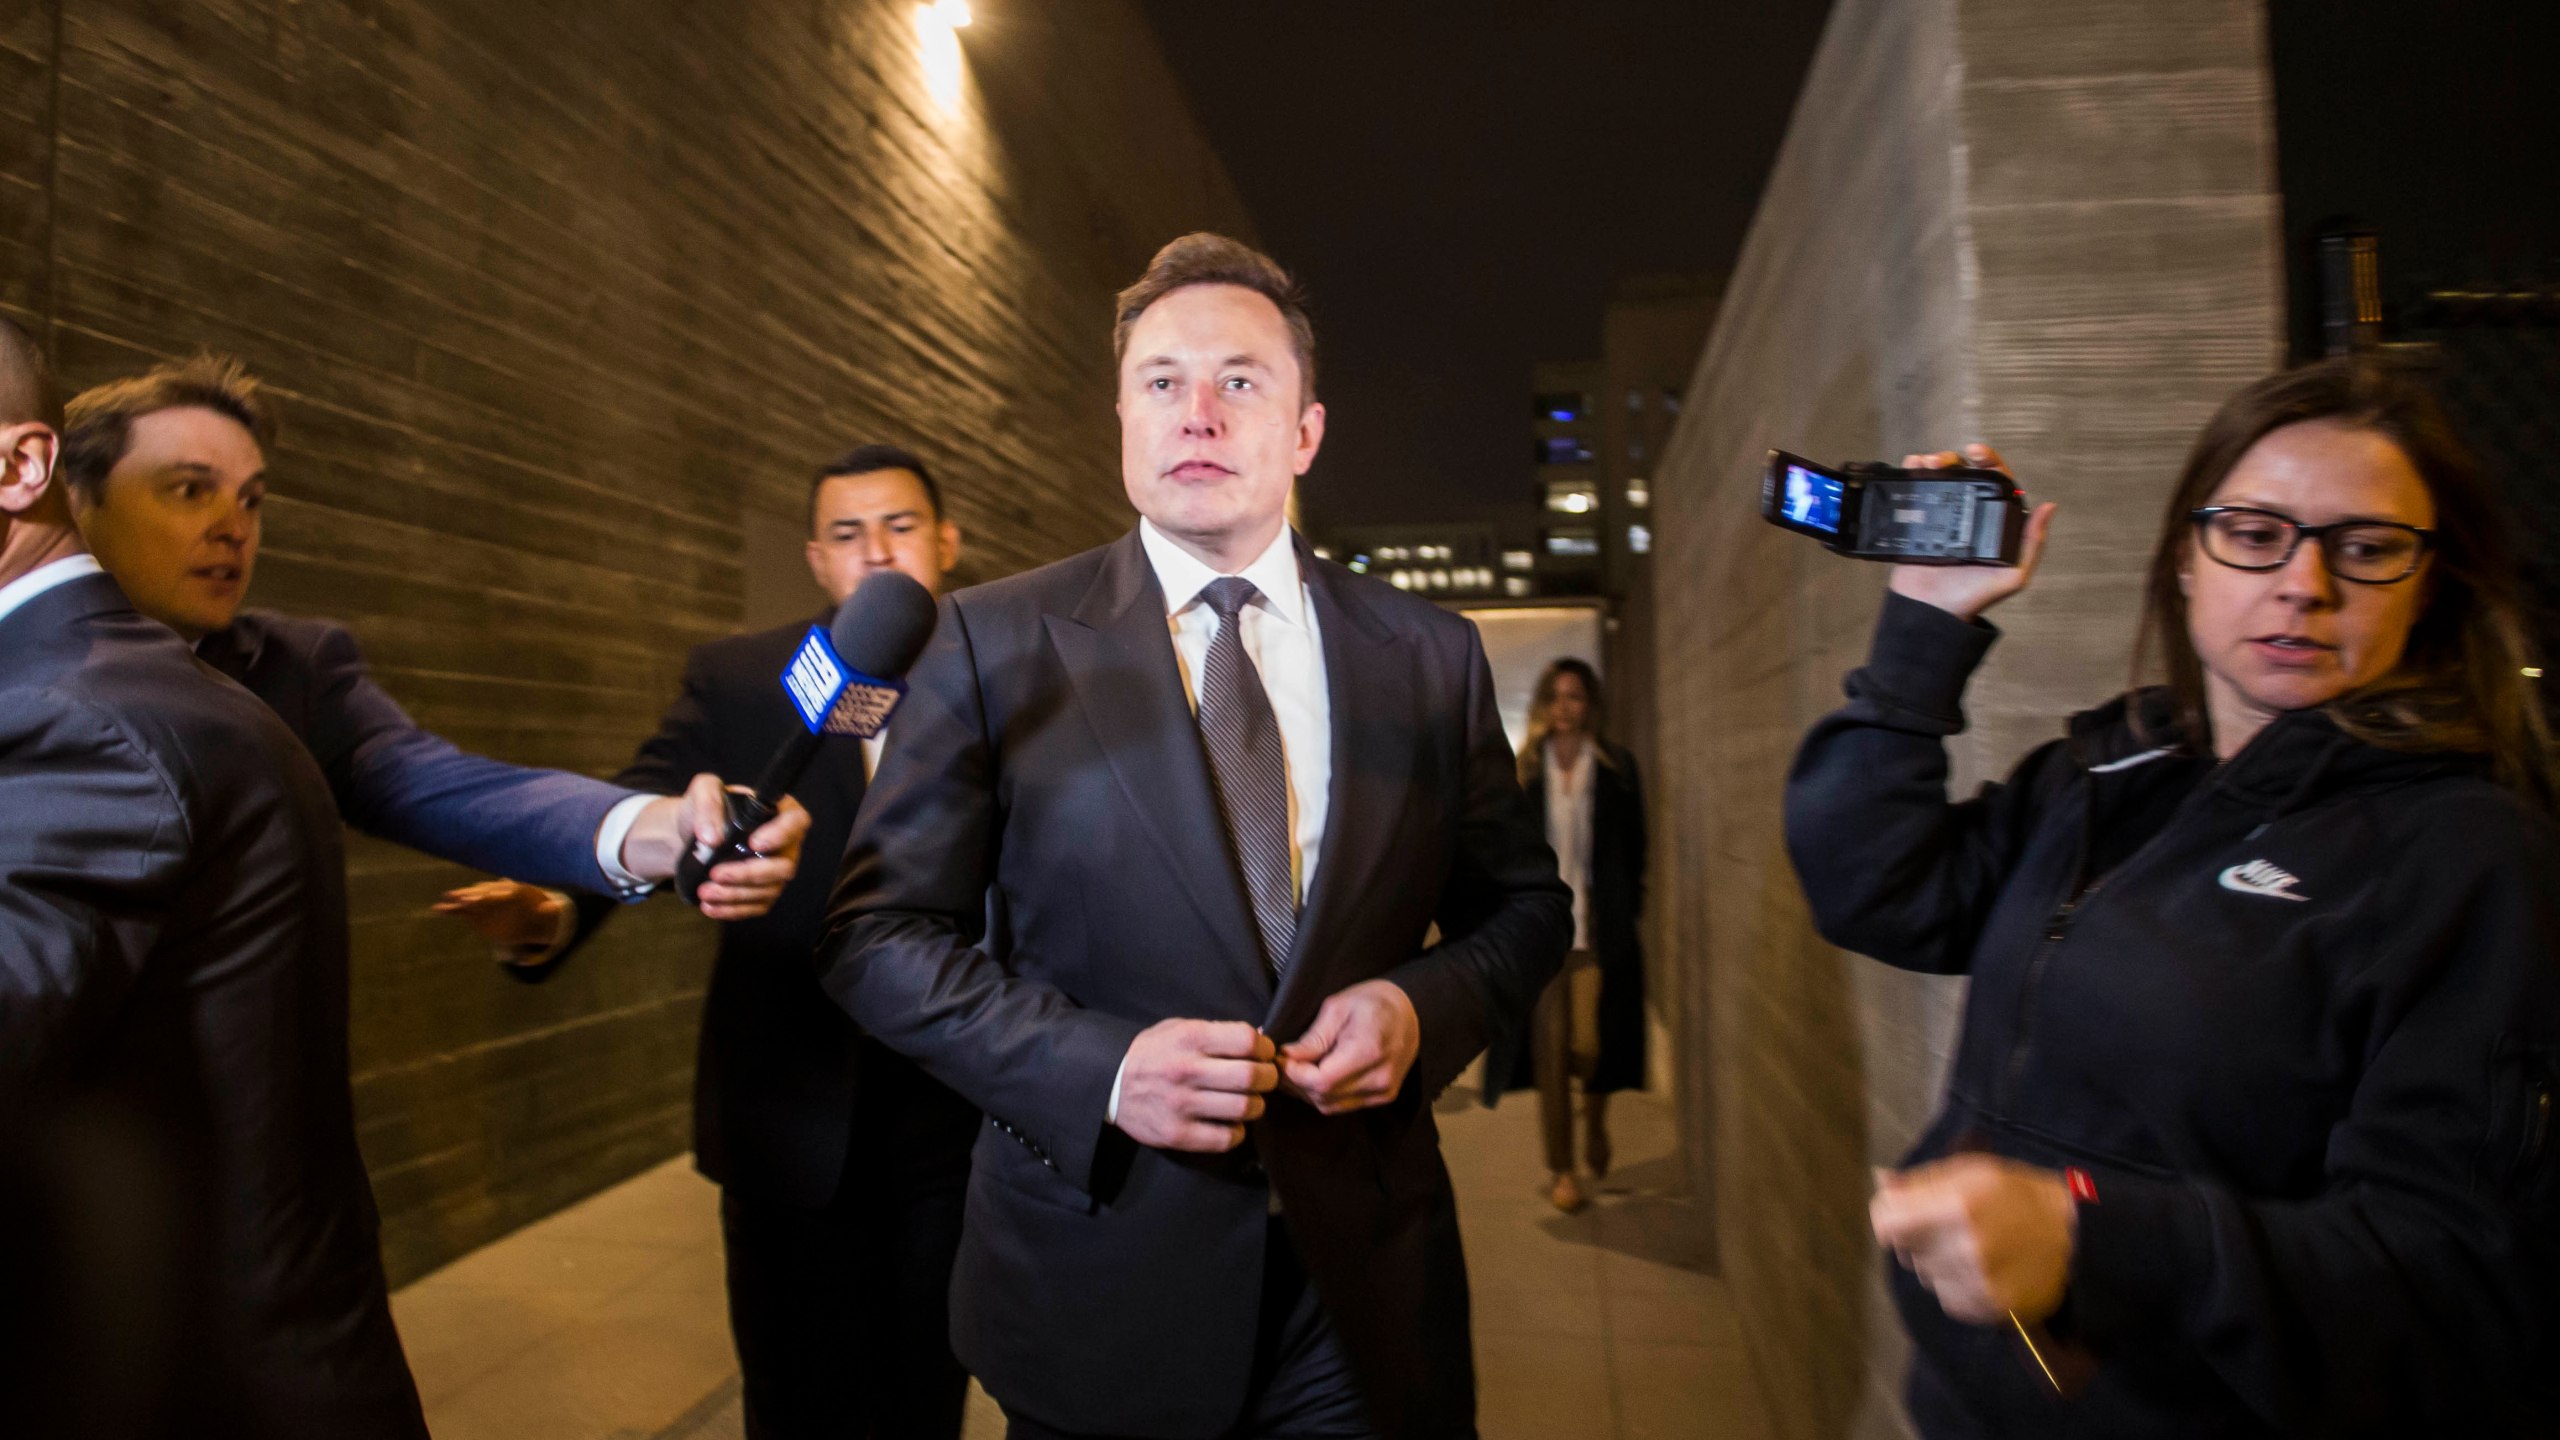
(1243, 738)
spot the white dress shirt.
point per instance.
(1569, 829)
(44, 577)
(1281, 639)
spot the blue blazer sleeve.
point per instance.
(396, 781)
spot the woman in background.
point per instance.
(1586, 792)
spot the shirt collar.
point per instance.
(1183, 576)
(44, 577)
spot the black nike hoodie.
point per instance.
(2297, 1016)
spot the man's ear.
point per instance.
(1310, 435)
(27, 455)
(947, 543)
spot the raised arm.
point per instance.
(396, 781)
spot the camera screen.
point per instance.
(1813, 500)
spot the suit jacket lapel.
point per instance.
(1370, 681)
(1118, 653)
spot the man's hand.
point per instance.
(1991, 1238)
(1192, 1084)
(508, 912)
(1355, 1054)
(739, 889)
(1965, 591)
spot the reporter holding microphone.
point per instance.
(2250, 1129)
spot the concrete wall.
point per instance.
(2048, 224)
(563, 302)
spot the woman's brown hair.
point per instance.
(2461, 684)
(1533, 748)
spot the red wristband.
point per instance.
(2083, 1189)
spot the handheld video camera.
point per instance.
(1908, 517)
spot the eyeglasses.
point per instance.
(2368, 552)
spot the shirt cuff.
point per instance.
(1111, 1112)
(609, 837)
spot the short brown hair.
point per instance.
(98, 424)
(2461, 683)
(27, 393)
(1202, 258)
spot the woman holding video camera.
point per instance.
(2250, 1130)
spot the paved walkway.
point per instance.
(606, 1321)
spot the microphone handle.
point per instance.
(747, 813)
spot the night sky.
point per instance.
(1461, 188)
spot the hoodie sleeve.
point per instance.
(2414, 1293)
(1891, 868)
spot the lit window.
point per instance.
(1566, 542)
(1516, 586)
(1635, 400)
(1519, 559)
(1324, 552)
(1639, 492)
(1671, 402)
(1573, 502)
(1640, 539)
(1563, 450)
(1562, 406)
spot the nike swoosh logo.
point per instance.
(2237, 878)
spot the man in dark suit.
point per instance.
(168, 472)
(841, 1166)
(173, 973)
(1223, 791)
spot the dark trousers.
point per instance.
(842, 1315)
(1301, 1388)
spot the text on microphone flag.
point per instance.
(815, 679)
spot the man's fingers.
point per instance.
(1205, 1138)
(764, 873)
(1229, 1077)
(705, 812)
(780, 836)
(1222, 1106)
(1323, 1033)
(1228, 1040)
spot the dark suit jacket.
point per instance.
(775, 1088)
(396, 781)
(173, 947)
(1047, 748)
(1616, 887)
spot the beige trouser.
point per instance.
(1559, 1056)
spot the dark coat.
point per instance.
(395, 781)
(2297, 1014)
(1048, 748)
(1617, 931)
(173, 949)
(777, 1080)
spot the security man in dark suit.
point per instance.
(173, 972)
(1223, 791)
(841, 1165)
(167, 471)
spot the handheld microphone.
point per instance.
(845, 679)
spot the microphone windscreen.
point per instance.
(883, 625)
